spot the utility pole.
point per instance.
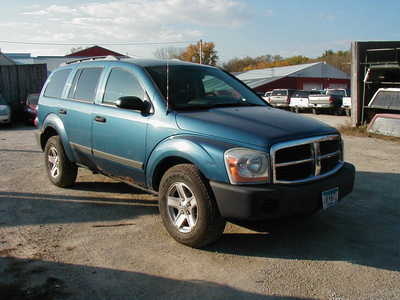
(201, 51)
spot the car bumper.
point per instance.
(279, 104)
(275, 201)
(5, 119)
(322, 105)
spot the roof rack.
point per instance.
(108, 57)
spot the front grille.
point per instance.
(307, 159)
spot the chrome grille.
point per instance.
(306, 159)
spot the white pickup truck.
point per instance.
(299, 101)
(330, 100)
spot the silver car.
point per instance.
(5, 111)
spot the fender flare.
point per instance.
(205, 154)
(53, 121)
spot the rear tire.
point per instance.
(60, 170)
(187, 207)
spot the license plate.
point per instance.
(330, 197)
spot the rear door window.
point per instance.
(84, 85)
(56, 85)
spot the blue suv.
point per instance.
(195, 135)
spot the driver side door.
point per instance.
(119, 135)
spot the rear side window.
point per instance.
(121, 83)
(56, 85)
(84, 85)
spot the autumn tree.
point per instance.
(192, 53)
(340, 59)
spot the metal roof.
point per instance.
(260, 77)
(253, 83)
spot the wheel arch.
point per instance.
(207, 156)
(52, 126)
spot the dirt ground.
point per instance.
(105, 240)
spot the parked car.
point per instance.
(5, 111)
(196, 136)
(299, 100)
(329, 100)
(267, 96)
(281, 97)
(30, 109)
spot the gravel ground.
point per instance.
(104, 240)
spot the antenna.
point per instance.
(167, 81)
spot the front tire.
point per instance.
(60, 170)
(187, 207)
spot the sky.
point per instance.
(238, 28)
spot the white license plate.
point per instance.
(330, 197)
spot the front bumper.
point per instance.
(5, 119)
(263, 202)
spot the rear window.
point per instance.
(386, 99)
(56, 85)
(279, 93)
(300, 94)
(336, 92)
(84, 85)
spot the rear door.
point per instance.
(119, 135)
(78, 111)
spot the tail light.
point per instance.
(288, 100)
(331, 100)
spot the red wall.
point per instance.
(297, 83)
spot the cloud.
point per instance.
(133, 20)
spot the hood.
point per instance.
(261, 126)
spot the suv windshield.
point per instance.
(196, 87)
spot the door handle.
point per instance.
(62, 111)
(100, 119)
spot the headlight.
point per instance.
(246, 166)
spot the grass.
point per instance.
(361, 131)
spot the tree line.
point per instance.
(339, 59)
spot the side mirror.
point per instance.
(131, 102)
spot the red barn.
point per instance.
(318, 76)
(95, 51)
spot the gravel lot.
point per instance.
(104, 240)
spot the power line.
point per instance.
(98, 43)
